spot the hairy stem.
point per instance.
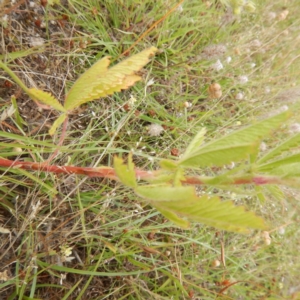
(108, 172)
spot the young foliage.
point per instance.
(46, 98)
(173, 217)
(287, 145)
(195, 143)
(57, 123)
(218, 156)
(125, 173)
(165, 192)
(180, 204)
(234, 146)
(177, 203)
(289, 164)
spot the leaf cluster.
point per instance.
(170, 191)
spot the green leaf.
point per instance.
(167, 164)
(125, 173)
(213, 212)
(46, 98)
(287, 170)
(284, 162)
(57, 123)
(85, 84)
(195, 143)
(237, 140)
(274, 191)
(99, 81)
(285, 146)
(182, 223)
(218, 156)
(181, 202)
(165, 192)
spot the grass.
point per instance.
(77, 238)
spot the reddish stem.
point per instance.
(108, 172)
(105, 172)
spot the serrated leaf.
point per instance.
(182, 223)
(285, 146)
(270, 167)
(99, 81)
(165, 192)
(218, 156)
(167, 164)
(195, 143)
(241, 138)
(57, 123)
(85, 84)
(287, 170)
(46, 98)
(126, 173)
(183, 202)
(213, 212)
(160, 178)
(274, 191)
(259, 194)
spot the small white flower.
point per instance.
(294, 128)
(155, 129)
(267, 90)
(217, 66)
(69, 258)
(281, 230)
(150, 82)
(263, 146)
(36, 41)
(180, 8)
(5, 18)
(255, 43)
(239, 96)
(231, 165)
(65, 250)
(131, 100)
(228, 59)
(242, 79)
(283, 108)
(271, 16)
(62, 278)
